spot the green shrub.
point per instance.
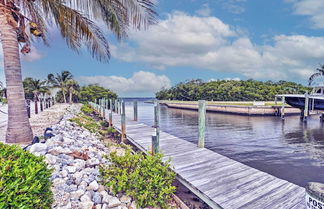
(86, 108)
(24, 179)
(104, 123)
(144, 177)
(86, 122)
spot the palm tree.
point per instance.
(73, 89)
(316, 75)
(60, 81)
(36, 87)
(76, 21)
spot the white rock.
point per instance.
(113, 202)
(105, 196)
(125, 199)
(78, 177)
(99, 206)
(71, 169)
(93, 186)
(50, 159)
(38, 148)
(77, 194)
(85, 198)
(67, 140)
(87, 205)
(133, 205)
(58, 181)
(93, 162)
(80, 164)
(104, 206)
(64, 173)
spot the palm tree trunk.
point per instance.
(18, 129)
(71, 96)
(64, 96)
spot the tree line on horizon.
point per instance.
(230, 90)
(69, 90)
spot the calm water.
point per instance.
(290, 149)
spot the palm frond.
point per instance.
(77, 29)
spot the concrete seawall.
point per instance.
(237, 109)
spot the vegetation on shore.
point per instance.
(24, 179)
(69, 89)
(230, 90)
(144, 177)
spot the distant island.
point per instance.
(230, 90)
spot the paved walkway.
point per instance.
(39, 122)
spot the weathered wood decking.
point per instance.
(225, 183)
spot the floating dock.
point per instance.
(237, 109)
(218, 180)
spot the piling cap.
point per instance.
(316, 190)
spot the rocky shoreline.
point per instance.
(75, 154)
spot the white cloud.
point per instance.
(208, 43)
(311, 8)
(233, 6)
(140, 83)
(204, 11)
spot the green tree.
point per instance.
(60, 81)
(76, 21)
(223, 90)
(72, 88)
(35, 87)
(94, 92)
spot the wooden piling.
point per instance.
(28, 107)
(282, 111)
(135, 111)
(41, 104)
(202, 123)
(306, 108)
(156, 133)
(123, 122)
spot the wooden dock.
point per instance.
(218, 180)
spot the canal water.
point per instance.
(289, 149)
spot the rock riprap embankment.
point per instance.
(75, 155)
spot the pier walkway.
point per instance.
(220, 181)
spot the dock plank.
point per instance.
(226, 182)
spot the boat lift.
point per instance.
(307, 103)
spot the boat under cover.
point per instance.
(316, 102)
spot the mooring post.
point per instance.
(28, 107)
(41, 104)
(282, 111)
(36, 106)
(306, 108)
(115, 106)
(104, 109)
(135, 110)
(53, 101)
(120, 106)
(314, 195)
(202, 123)
(123, 122)
(156, 132)
(110, 105)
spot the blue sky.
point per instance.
(207, 39)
